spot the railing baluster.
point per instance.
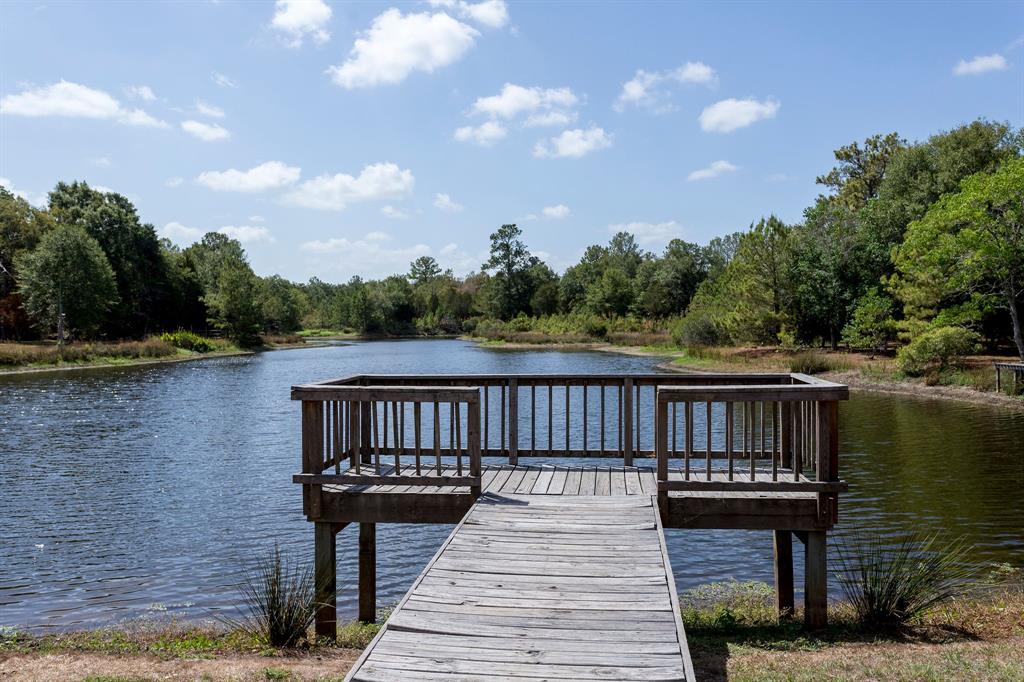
(457, 410)
(487, 416)
(627, 426)
(775, 440)
(675, 419)
(551, 412)
(585, 444)
(533, 418)
(603, 416)
(376, 440)
(729, 426)
(688, 444)
(639, 389)
(437, 436)
(501, 434)
(567, 413)
(338, 437)
(398, 442)
(708, 453)
(417, 414)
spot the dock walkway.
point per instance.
(540, 587)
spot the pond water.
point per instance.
(140, 491)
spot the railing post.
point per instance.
(473, 441)
(661, 449)
(627, 416)
(786, 456)
(513, 421)
(312, 452)
(365, 447)
(827, 462)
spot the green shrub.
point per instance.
(809, 362)
(890, 583)
(187, 341)
(596, 327)
(936, 350)
(697, 330)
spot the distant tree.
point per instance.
(872, 325)
(424, 269)
(544, 284)
(131, 247)
(66, 282)
(861, 170)
(281, 305)
(21, 227)
(612, 294)
(234, 305)
(510, 289)
(969, 241)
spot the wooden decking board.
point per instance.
(542, 586)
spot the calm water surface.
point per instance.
(141, 491)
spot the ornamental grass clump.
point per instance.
(279, 600)
(889, 584)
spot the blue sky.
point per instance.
(340, 139)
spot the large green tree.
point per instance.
(21, 227)
(131, 247)
(510, 260)
(969, 242)
(66, 282)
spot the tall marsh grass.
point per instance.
(279, 600)
(19, 354)
(888, 585)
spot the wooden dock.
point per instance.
(557, 569)
(540, 586)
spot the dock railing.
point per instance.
(573, 415)
(778, 438)
(365, 428)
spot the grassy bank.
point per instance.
(731, 627)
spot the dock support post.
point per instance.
(368, 572)
(325, 574)
(815, 581)
(783, 574)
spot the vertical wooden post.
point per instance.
(999, 383)
(325, 574)
(627, 416)
(661, 449)
(827, 462)
(513, 421)
(312, 452)
(473, 442)
(366, 431)
(783, 574)
(815, 581)
(786, 456)
(368, 572)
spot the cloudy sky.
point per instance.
(336, 139)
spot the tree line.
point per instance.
(906, 241)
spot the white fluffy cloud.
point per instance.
(980, 64)
(143, 92)
(208, 109)
(180, 234)
(183, 234)
(397, 44)
(573, 143)
(334, 192)
(207, 132)
(490, 13)
(712, 171)
(485, 134)
(646, 88)
(372, 255)
(732, 114)
(247, 233)
(72, 100)
(649, 234)
(516, 99)
(555, 212)
(295, 20)
(266, 176)
(445, 203)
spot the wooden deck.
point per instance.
(647, 451)
(544, 585)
